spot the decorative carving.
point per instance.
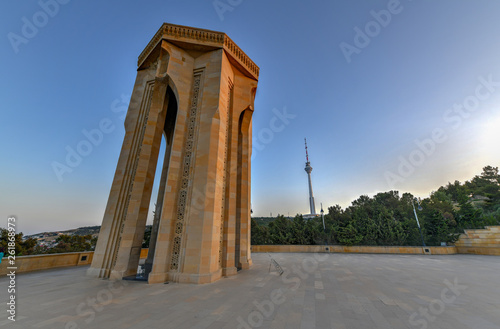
(218, 38)
(225, 170)
(186, 165)
(236, 51)
(138, 140)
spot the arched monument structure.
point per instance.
(195, 89)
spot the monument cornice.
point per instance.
(210, 39)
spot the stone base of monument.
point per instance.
(229, 271)
(140, 276)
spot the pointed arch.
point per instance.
(242, 247)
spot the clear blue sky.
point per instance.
(422, 71)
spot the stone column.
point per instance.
(133, 228)
(243, 218)
(120, 240)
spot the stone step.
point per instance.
(481, 231)
(485, 245)
(483, 236)
(469, 240)
(481, 239)
(480, 236)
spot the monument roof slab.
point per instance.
(196, 39)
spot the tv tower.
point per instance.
(308, 170)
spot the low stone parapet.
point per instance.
(356, 249)
(43, 262)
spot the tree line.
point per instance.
(63, 243)
(388, 218)
(385, 219)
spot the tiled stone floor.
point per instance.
(316, 291)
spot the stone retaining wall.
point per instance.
(43, 262)
(480, 241)
(357, 249)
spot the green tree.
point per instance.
(410, 228)
(298, 232)
(73, 243)
(456, 191)
(488, 185)
(390, 231)
(23, 247)
(349, 235)
(147, 236)
(437, 230)
(365, 226)
(469, 217)
(260, 234)
(279, 230)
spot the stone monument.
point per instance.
(195, 88)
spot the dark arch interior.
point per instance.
(171, 108)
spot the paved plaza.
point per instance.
(315, 291)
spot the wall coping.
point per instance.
(47, 255)
(30, 263)
(438, 250)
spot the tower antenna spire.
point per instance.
(308, 170)
(307, 156)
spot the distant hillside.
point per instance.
(86, 230)
(264, 221)
(92, 230)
